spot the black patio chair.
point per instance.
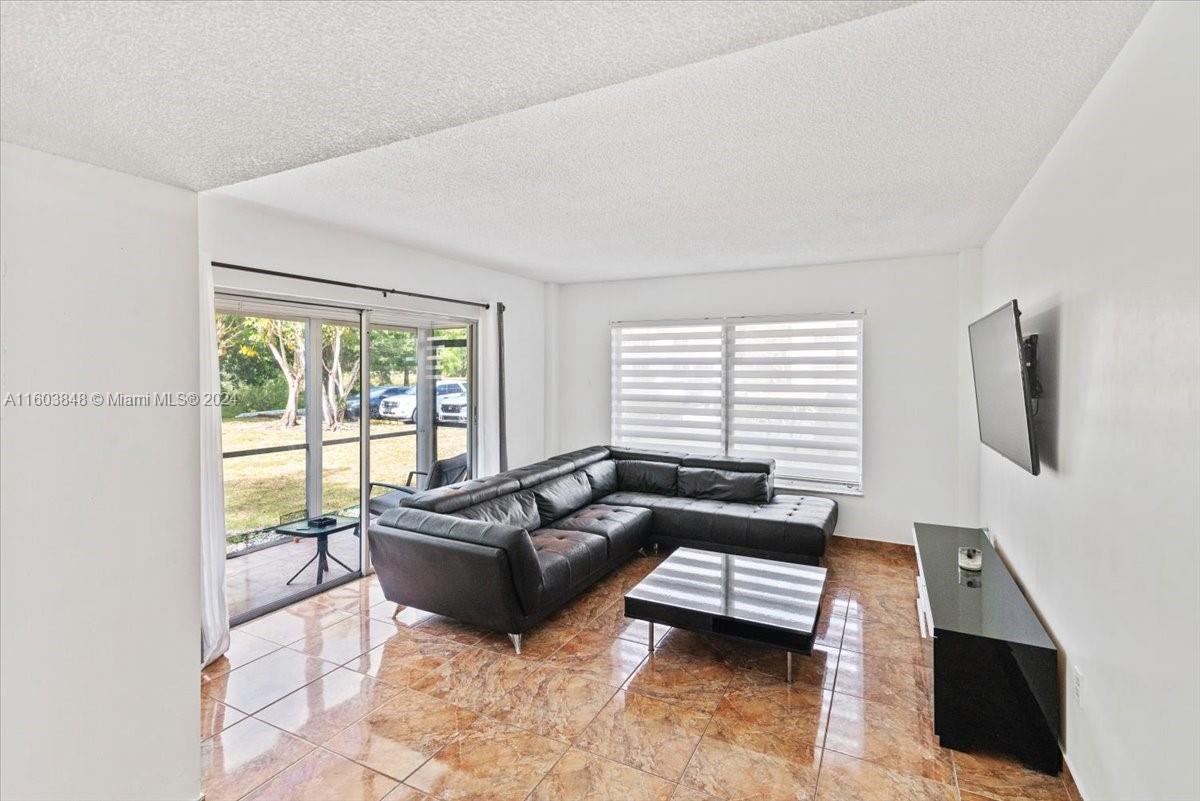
(441, 473)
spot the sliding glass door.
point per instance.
(292, 434)
(291, 451)
(450, 362)
(394, 411)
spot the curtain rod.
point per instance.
(333, 282)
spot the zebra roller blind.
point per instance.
(785, 388)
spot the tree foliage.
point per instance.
(262, 362)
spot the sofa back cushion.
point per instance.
(517, 509)
(603, 478)
(724, 485)
(560, 497)
(731, 464)
(637, 475)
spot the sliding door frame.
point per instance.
(315, 314)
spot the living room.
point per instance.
(709, 400)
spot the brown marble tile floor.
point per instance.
(333, 698)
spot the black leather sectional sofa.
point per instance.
(506, 551)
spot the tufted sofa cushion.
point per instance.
(625, 527)
(568, 559)
(797, 525)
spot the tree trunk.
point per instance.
(289, 411)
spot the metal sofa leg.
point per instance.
(516, 641)
(398, 608)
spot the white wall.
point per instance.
(1103, 252)
(911, 372)
(237, 232)
(99, 533)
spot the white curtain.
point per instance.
(214, 616)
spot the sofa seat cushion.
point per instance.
(788, 524)
(625, 527)
(567, 559)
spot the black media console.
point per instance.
(995, 668)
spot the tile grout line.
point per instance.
(288, 766)
(828, 714)
(315, 746)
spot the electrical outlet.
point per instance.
(1077, 685)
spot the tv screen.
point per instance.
(1002, 387)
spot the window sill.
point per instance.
(801, 488)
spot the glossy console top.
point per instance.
(778, 594)
(985, 604)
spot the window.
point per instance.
(789, 389)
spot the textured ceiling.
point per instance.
(906, 132)
(205, 94)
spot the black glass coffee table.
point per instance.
(763, 601)
(304, 528)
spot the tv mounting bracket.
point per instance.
(1030, 358)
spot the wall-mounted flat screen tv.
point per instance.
(1004, 388)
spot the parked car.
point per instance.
(376, 397)
(400, 406)
(453, 402)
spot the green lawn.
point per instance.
(260, 489)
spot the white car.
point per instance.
(453, 402)
(401, 406)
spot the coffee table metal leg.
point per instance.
(789, 667)
(651, 636)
